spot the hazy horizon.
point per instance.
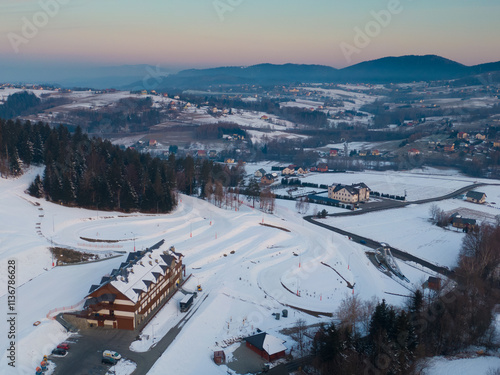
(59, 37)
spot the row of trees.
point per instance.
(376, 338)
(91, 172)
(216, 131)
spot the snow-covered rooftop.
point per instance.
(141, 270)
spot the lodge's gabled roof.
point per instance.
(140, 271)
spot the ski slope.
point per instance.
(248, 271)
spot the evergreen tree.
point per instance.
(36, 187)
(16, 164)
(253, 190)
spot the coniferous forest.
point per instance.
(85, 172)
(93, 173)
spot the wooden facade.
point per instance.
(134, 291)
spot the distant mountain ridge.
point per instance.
(388, 69)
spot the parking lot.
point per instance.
(86, 348)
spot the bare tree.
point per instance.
(219, 193)
(356, 313)
(438, 216)
(299, 335)
(208, 190)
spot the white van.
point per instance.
(111, 354)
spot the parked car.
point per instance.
(58, 351)
(64, 346)
(111, 354)
(109, 361)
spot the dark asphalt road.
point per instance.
(386, 204)
(84, 356)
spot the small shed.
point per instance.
(434, 283)
(219, 357)
(267, 346)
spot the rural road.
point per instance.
(388, 205)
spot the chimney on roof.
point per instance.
(150, 257)
(156, 260)
(142, 264)
(131, 270)
(150, 263)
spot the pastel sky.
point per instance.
(204, 33)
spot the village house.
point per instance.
(480, 136)
(322, 167)
(288, 171)
(461, 222)
(260, 172)
(268, 347)
(476, 197)
(135, 290)
(302, 171)
(212, 154)
(349, 193)
(462, 135)
(267, 179)
(201, 154)
(449, 148)
(334, 152)
(413, 152)
(153, 143)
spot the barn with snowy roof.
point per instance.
(131, 293)
(267, 346)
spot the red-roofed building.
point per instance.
(413, 152)
(268, 347)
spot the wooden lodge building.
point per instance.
(135, 290)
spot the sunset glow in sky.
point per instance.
(204, 33)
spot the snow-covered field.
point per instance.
(404, 229)
(248, 271)
(476, 366)
(417, 185)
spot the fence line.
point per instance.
(60, 309)
(101, 246)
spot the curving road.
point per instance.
(387, 204)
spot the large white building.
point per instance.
(349, 193)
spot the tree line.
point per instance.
(25, 103)
(94, 173)
(376, 338)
